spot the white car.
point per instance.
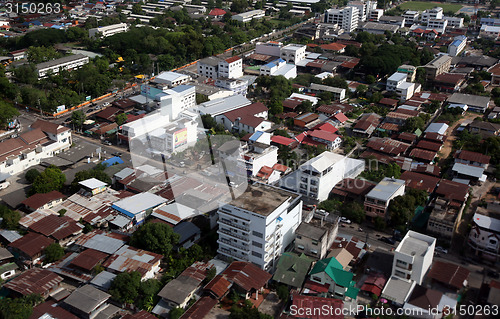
(345, 220)
(4, 185)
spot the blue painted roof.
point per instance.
(112, 161)
(456, 42)
(255, 136)
(270, 65)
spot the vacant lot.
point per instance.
(421, 6)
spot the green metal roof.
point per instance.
(292, 269)
(352, 292)
(332, 267)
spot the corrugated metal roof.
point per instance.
(34, 281)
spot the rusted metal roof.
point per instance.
(34, 281)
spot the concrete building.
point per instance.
(410, 17)
(231, 68)
(455, 22)
(138, 207)
(208, 67)
(107, 31)
(397, 83)
(314, 238)
(279, 67)
(430, 14)
(485, 233)
(379, 28)
(364, 8)
(378, 199)
(65, 63)
(293, 53)
(44, 140)
(395, 80)
(316, 177)
(393, 20)
(457, 46)
(489, 32)
(410, 70)
(437, 24)
(258, 225)
(412, 260)
(271, 48)
(171, 79)
(249, 15)
(443, 219)
(347, 18)
(438, 66)
(234, 85)
(376, 14)
(338, 94)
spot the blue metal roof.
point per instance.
(456, 43)
(112, 161)
(270, 65)
(255, 136)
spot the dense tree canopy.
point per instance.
(7, 113)
(125, 287)
(49, 180)
(155, 237)
(19, 308)
(53, 252)
(10, 218)
(96, 172)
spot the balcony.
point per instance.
(232, 224)
(232, 253)
(225, 232)
(243, 248)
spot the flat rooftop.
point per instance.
(262, 199)
(415, 244)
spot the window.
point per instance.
(257, 234)
(316, 278)
(314, 251)
(301, 247)
(315, 242)
(256, 254)
(299, 237)
(256, 244)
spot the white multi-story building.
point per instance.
(364, 8)
(410, 17)
(249, 15)
(176, 136)
(457, 46)
(293, 53)
(44, 140)
(108, 31)
(65, 63)
(346, 18)
(316, 177)
(279, 67)
(484, 237)
(455, 22)
(378, 199)
(209, 67)
(258, 225)
(171, 79)
(376, 14)
(489, 32)
(271, 48)
(435, 13)
(172, 101)
(412, 260)
(237, 86)
(395, 80)
(231, 68)
(257, 155)
(437, 24)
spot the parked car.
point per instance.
(4, 185)
(119, 154)
(106, 104)
(182, 164)
(388, 240)
(441, 250)
(345, 220)
(90, 110)
(106, 142)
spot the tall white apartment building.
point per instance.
(395, 80)
(171, 101)
(364, 8)
(231, 68)
(412, 260)
(316, 177)
(435, 13)
(376, 14)
(258, 225)
(108, 31)
(69, 62)
(457, 46)
(346, 18)
(293, 53)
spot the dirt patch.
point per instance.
(448, 145)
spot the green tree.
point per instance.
(176, 313)
(155, 237)
(19, 308)
(7, 113)
(125, 287)
(121, 119)
(413, 123)
(49, 180)
(248, 311)
(31, 175)
(77, 118)
(370, 79)
(96, 172)
(52, 253)
(137, 8)
(283, 293)
(353, 211)
(10, 217)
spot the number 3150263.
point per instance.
(32, 7)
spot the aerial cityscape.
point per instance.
(247, 159)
